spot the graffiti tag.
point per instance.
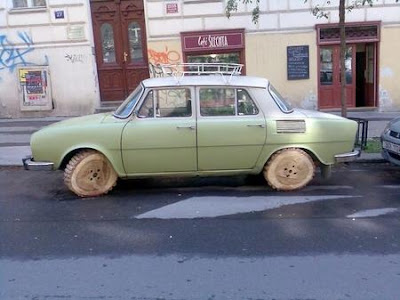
(75, 58)
(11, 56)
(163, 57)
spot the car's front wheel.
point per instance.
(90, 174)
(289, 169)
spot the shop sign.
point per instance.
(213, 41)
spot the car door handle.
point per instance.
(256, 125)
(186, 127)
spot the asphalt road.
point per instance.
(202, 238)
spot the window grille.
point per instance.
(354, 33)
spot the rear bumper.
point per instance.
(30, 164)
(346, 157)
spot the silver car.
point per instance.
(390, 139)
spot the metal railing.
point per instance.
(362, 132)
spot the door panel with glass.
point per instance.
(121, 54)
(330, 76)
(161, 137)
(231, 130)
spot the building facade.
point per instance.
(47, 66)
(296, 51)
(71, 57)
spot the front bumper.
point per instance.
(30, 164)
(347, 157)
(391, 157)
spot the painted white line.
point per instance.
(326, 187)
(214, 206)
(373, 212)
(346, 171)
(395, 186)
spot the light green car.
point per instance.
(195, 126)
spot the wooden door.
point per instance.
(120, 45)
(329, 79)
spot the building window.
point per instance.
(29, 3)
(135, 43)
(107, 43)
(357, 33)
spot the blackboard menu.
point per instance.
(298, 58)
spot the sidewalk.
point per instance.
(15, 134)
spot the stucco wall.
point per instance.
(389, 69)
(266, 57)
(35, 37)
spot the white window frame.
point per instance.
(29, 4)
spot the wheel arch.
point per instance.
(114, 158)
(312, 153)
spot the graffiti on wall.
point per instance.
(75, 58)
(12, 56)
(163, 57)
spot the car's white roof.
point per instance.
(207, 80)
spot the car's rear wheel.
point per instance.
(90, 174)
(289, 169)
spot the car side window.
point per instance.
(217, 102)
(245, 105)
(167, 103)
(147, 108)
(226, 102)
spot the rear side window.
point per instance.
(285, 106)
(226, 102)
(167, 103)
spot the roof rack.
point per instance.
(180, 70)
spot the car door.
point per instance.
(161, 137)
(231, 130)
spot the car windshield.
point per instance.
(125, 109)
(285, 106)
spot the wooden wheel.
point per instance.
(289, 169)
(89, 174)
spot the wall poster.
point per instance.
(35, 88)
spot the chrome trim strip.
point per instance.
(29, 164)
(346, 157)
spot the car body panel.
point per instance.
(323, 138)
(226, 143)
(101, 132)
(159, 146)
